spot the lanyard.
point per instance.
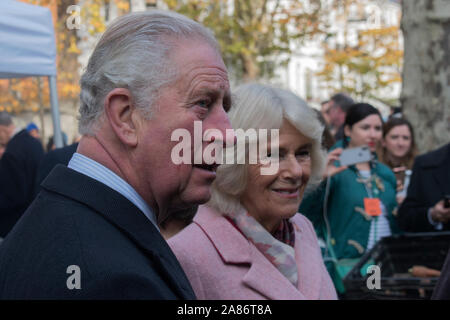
(372, 192)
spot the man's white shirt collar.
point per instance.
(96, 171)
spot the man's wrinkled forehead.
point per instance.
(214, 71)
(183, 49)
(195, 71)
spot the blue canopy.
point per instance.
(27, 48)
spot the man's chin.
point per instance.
(200, 195)
(203, 197)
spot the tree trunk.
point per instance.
(251, 70)
(426, 74)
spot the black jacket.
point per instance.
(430, 181)
(78, 221)
(340, 133)
(18, 168)
(50, 160)
(442, 289)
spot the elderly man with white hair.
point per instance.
(92, 232)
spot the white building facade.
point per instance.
(307, 59)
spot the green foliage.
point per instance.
(255, 35)
(365, 69)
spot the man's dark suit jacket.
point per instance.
(76, 220)
(50, 160)
(430, 181)
(18, 168)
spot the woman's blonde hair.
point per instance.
(258, 106)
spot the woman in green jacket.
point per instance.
(352, 208)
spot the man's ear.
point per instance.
(119, 108)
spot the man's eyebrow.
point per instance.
(204, 92)
(215, 93)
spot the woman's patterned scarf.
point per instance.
(277, 248)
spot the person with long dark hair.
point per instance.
(341, 207)
(398, 150)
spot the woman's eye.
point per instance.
(303, 154)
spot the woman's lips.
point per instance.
(288, 193)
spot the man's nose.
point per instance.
(222, 123)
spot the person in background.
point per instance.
(18, 169)
(2, 150)
(340, 208)
(327, 138)
(398, 150)
(50, 160)
(337, 109)
(248, 242)
(424, 209)
(51, 142)
(396, 112)
(324, 110)
(33, 130)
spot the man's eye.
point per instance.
(204, 103)
(226, 106)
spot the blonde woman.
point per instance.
(249, 242)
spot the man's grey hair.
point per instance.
(342, 101)
(260, 106)
(5, 119)
(133, 54)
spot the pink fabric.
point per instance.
(221, 263)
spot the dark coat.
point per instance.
(442, 289)
(430, 181)
(50, 160)
(76, 220)
(339, 135)
(18, 168)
